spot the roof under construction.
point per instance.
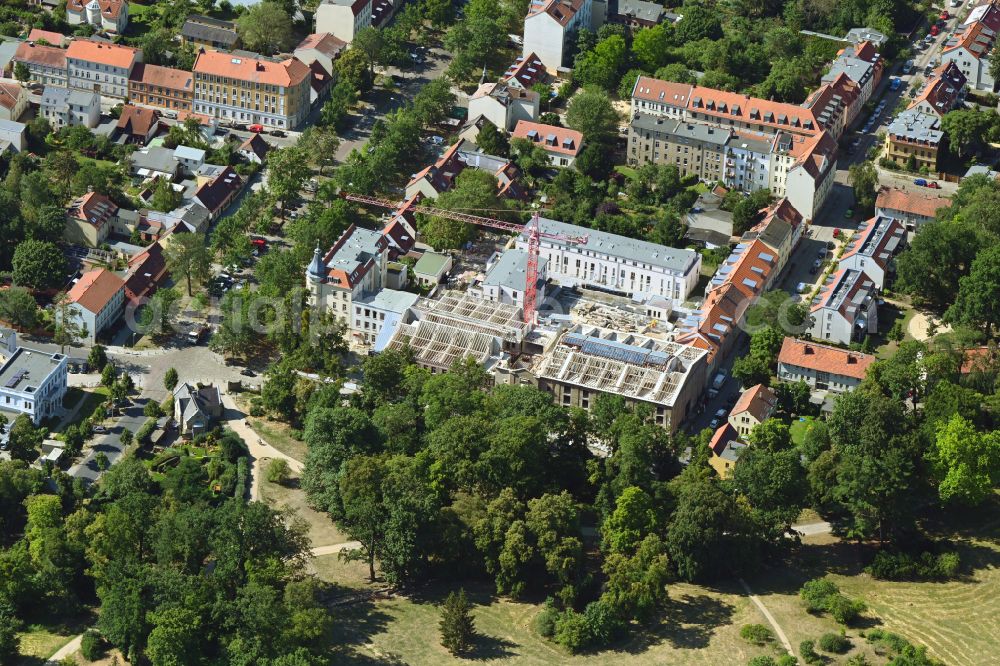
(475, 314)
(630, 365)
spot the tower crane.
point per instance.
(533, 228)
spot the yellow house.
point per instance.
(755, 406)
(89, 219)
(726, 449)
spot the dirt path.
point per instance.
(779, 632)
(335, 548)
(259, 449)
(66, 650)
(920, 326)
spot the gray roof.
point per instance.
(431, 263)
(601, 242)
(207, 29)
(357, 249)
(981, 169)
(12, 126)
(193, 401)
(702, 132)
(757, 145)
(392, 300)
(641, 9)
(189, 153)
(857, 35)
(511, 270)
(916, 126)
(27, 369)
(475, 158)
(155, 159)
(8, 47)
(857, 70)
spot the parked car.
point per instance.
(908, 67)
(933, 185)
(256, 128)
(278, 133)
(99, 429)
(247, 372)
(815, 267)
(437, 140)
(802, 287)
(922, 182)
(822, 253)
(935, 30)
(955, 3)
(945, 15)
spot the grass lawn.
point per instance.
(700, 626)
(798, 429)
(699, 187)
(277, 435)
(39, 642)
(332, 569)
(626, 171)
(322, 531)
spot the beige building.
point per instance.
(13, 99)
(90, 219)
(755, 406)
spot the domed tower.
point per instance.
(315, 276)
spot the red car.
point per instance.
(945, 15)
(256, 128)
(933, 185)
(935, 31)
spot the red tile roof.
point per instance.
(103, 53)
(137, 120)
(109, 8)
(942, 89)
(726, 106)
(526, 70)
(324, 42)
(47, 56)
(724, 434)
(867, 242)
(824, 358)
(891, 199)
(662, 92)
(562, 11)
(53, 38)
(980, 358)
(93, 208)
(564, 141)
(95, 289)
(758, 400)
(146, 271)
(287, 73)
(10, 93)
(165, 77)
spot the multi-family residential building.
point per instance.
(873, 249)
(440, 176)
(33, 382)
(165, 88)
(89, 219)
(836, 104)
(744, 142)
(969, 48)
(504, 105)
(586, 257)
(344, 18)
(636, 14)
(105, 15)
(846, 308)
(586, 362)
(507, 276)
(209, 33)
(251, 90)
(98, 299)
(562, 145)
(551, 28)
(822, 367)
(781, 230)
(216, 194)
(527, 71)
(101, 66)
(917, 135)
(46, 64)
(13, 99)
(754, 406)
(64, 107)
(911, 208)
(862, 63)
(371, 313)
(321, 47)
(942, 92)
(13, 136)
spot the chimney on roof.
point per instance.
(807, 349)
(851, 359)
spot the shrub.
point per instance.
(834, 643)
(788, 660)
(757, 634)
(545, 621)
(816, 593)
(948, 565)
(844, 609)
(902, 566)
(571, 631)
(808, 651)
(278, 471)
(92, 645)
(762, 660)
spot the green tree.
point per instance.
(187, 255)
(433, 101)
(38, 265)
(602, 67)
(651, 49)
(98, 357)
(165, 198)
(967, 128)
(772, 435)
(22, 73)
(457, 627)
(932, 266)
(473, 190)
(752, 370)
(10, 642)
(175, 637)
(699, 23)
(288, 169)
(25, 439)
(863, 177)
(337, 108)
(360, 486)
(978, 302)
(265, 27)
(491, 141)
(591, 113)
(170, 379)
(18, 308)
(630, 522)
(966, 462)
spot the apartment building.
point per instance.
(163, 88)
(237, 88)
(504, 105)
(98, 299)
(917, 135)
(862, 63)
(942, 92)
(694, 148)
(912, 209)
(33, 382)
(781, 230)
(371, 313)
(323, 48)
(527, 71)
(344, 18)
(440, 176)
(64, 107)
(836, 104)
(969, 47)
(209, 33)
(822, 367)
(46, 64)
(507, 276)
(562, 145)
(13, 99)
(101, 66)
(579, 256)
(754, 406)
(873, 249)
(551, 27)
(89, 219)
(846, 308)
(104, 15)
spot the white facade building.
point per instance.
(33, 382)
(370, 314)
(551, 26)
(343, 18)
(846, 309)
(504, 105)
(100, 66)
(105, 15)
(873, 248)
(615, 263)
(63, 107)
(823, 368)
(507, 276)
